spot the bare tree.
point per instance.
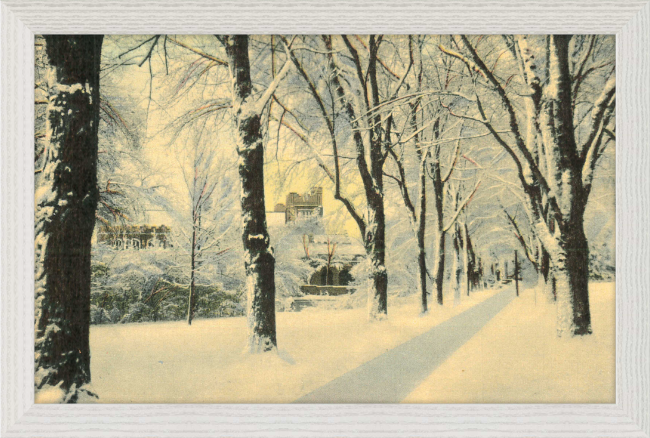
(200, 181)
(417, 212)
(258, 258)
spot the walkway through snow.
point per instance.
(391, 377)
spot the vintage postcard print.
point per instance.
(325, 218)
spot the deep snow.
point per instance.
(171, 362)
(516, 358)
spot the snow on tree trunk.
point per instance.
(570, 273)
(374, 230)
(544, 276)
(457, 266)
(422, 223)
(541, 282)
(569, 253)
(439, 250)
(258, 257)
(66, 200)
(376, 249)
(417, 218)
(464, 280)
(440, 265)
(375, 244)
(422, 265)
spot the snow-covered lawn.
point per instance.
(516, 358)
(171, 362)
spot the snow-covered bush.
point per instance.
(138, 312)
(601, 263)
(140, 286)
(99, 315)
(293, 267)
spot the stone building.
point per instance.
(298, 207)
(134, 236)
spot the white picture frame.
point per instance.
(628, 417)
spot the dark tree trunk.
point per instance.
(422, 220)
(66, 200)
(545, 282)
(375, 242)
(544, 265)
(440, 265)
(438, 193)
(516, 273)
(571, 275)
(468, 259)
(568, 250)
(374, 230)
(191, 302)
(457, 264)
(258, 258)
(422, 264)
(418, 218)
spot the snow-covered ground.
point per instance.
(171, 362)
(516, 358)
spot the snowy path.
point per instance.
(391, 377)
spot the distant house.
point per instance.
(297, 207)
(134, 236)
(140, 235)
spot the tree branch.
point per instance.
(598, 117)
(198, 52)
(463, 204)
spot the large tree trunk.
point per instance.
(570, 270)
(66, 200)
(375, 243)
(376, 229)
(568, 249)
(258, 258)
(422, 256)
(439, 250)
(421, 219)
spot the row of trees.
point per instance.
(474, 120)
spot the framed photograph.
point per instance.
(342, 219)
